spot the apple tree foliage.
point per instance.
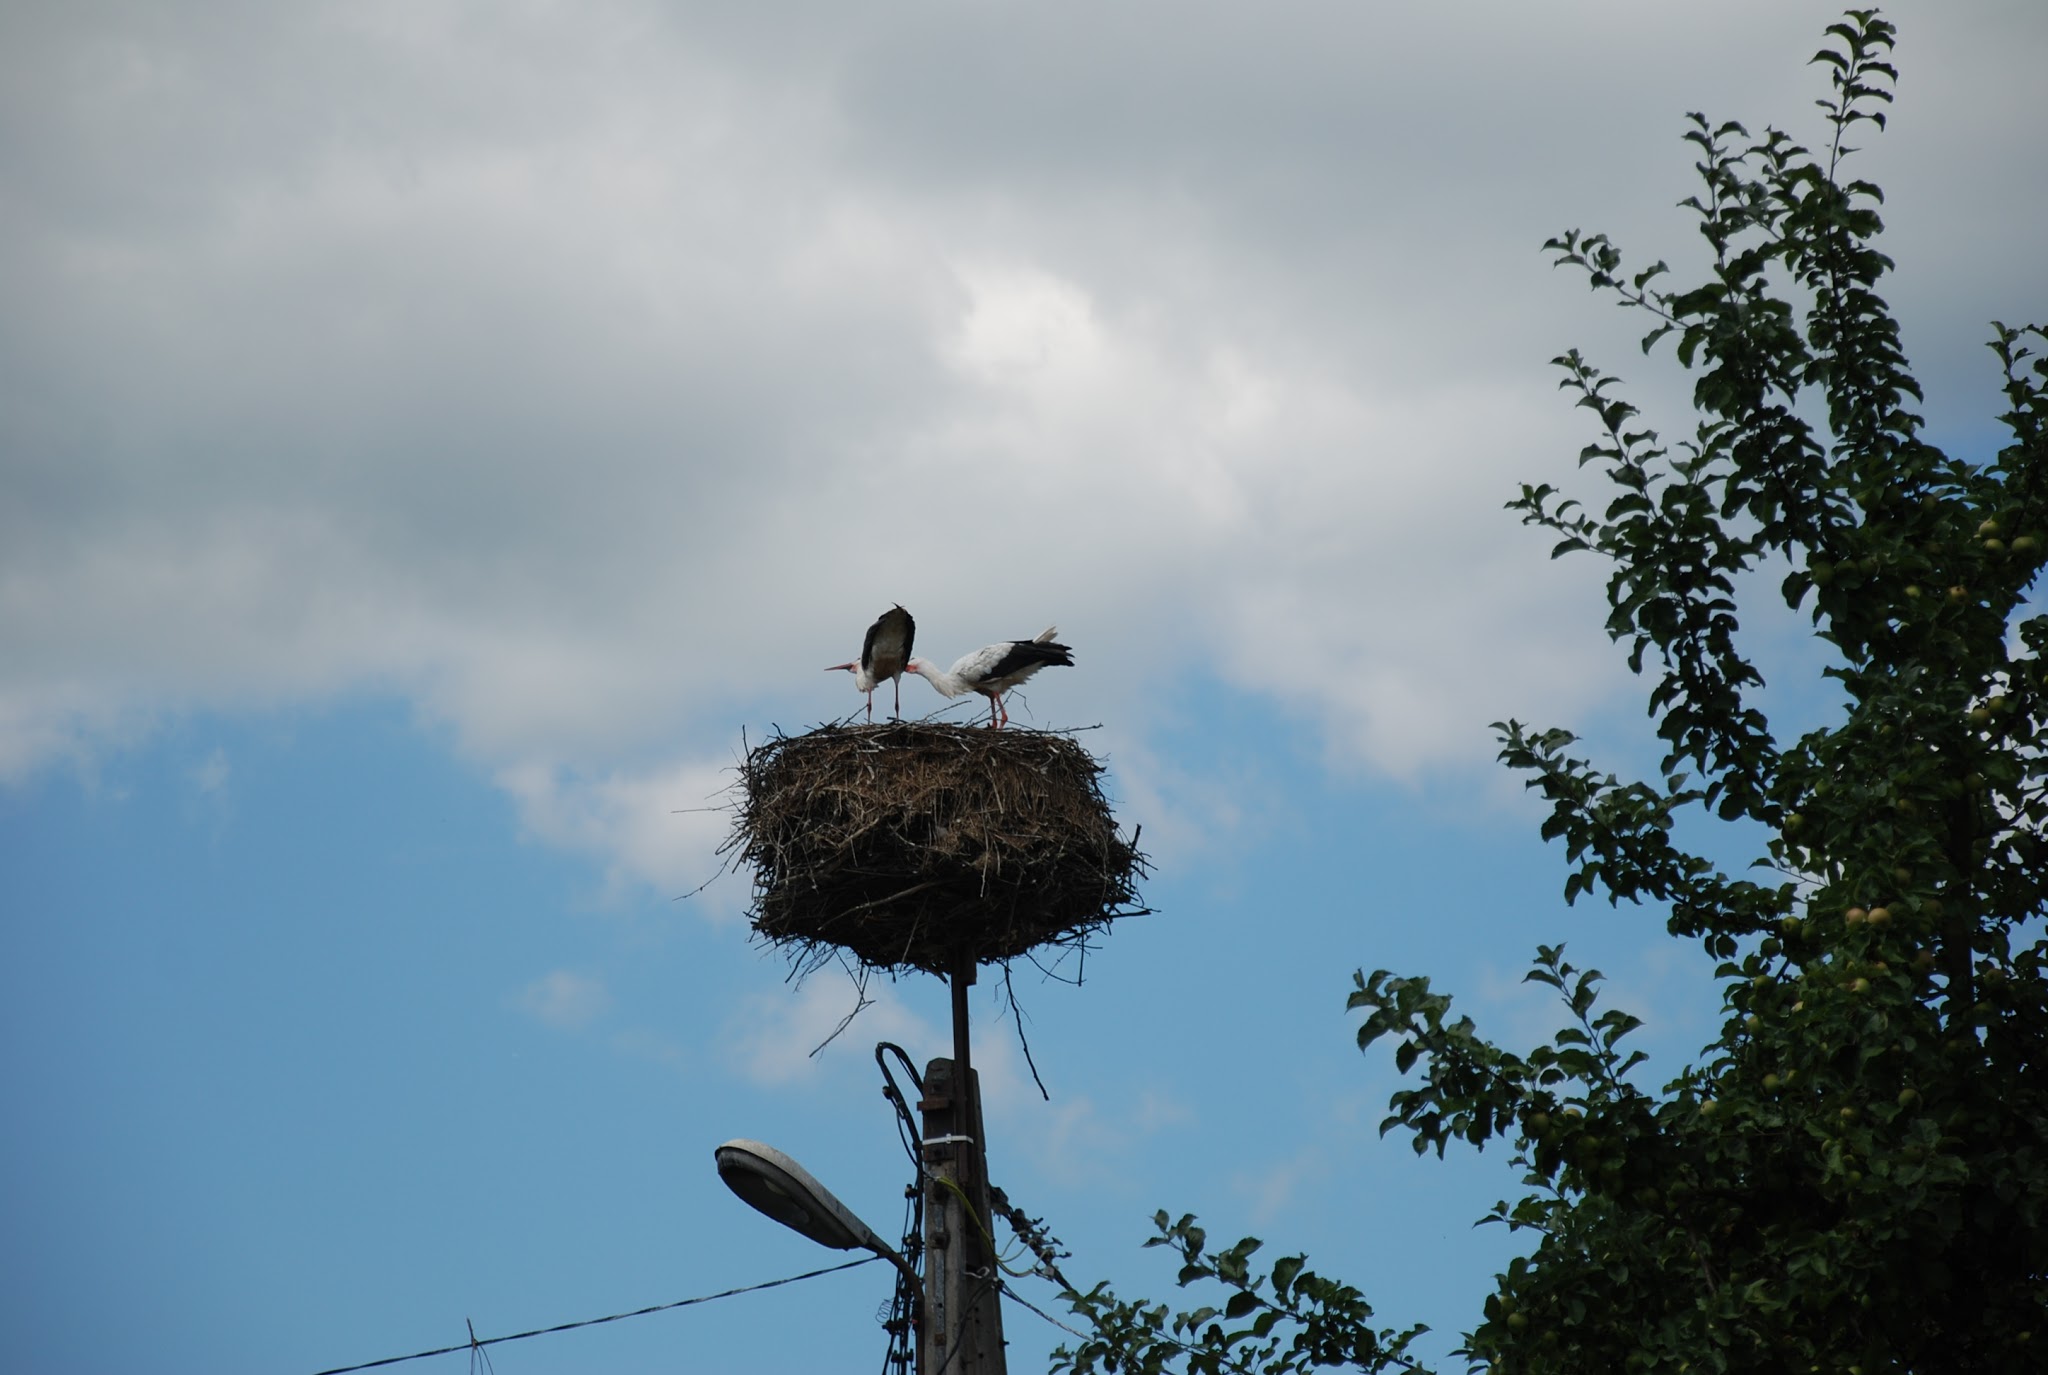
(1854, 1176)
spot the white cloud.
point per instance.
(802, 1033)
(661, 828)
(565, 1000)
(1661, 983)
(1179, 813)
(800, 1036)
(210, 775)
(1271, 1191)
(595, 382)
(643, 1044)
(1157, 1110)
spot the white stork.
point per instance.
(994, 669)
(883, 655)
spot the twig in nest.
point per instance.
(1017, 1016)
(861, 1002)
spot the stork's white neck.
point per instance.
(949, 684)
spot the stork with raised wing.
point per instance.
(994, 669)
(883, 655)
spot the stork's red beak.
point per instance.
(840, 668)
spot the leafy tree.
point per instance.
(1855, 1176)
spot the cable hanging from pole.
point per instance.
(905, 1308)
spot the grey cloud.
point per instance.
(593, 375)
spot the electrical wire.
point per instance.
(983, 1287)
(967, 1207)
(906, 1301)
(906, 1122)
(906, 1305)
(479, 1359)
(1007, 1292)
(1031, 1231)
(474, 1345)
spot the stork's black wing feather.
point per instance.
(1031, 654)
(892, 623)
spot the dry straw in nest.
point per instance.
(916, 845)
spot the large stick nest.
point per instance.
(915, 845)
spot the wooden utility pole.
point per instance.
(963, 1318)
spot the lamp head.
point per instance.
(772, 1183)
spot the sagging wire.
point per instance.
(476, 1344)
(1031, 1231)
(1015, 1297)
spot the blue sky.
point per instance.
(433, 437)
(304, 1094)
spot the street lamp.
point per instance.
(772, 1183)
